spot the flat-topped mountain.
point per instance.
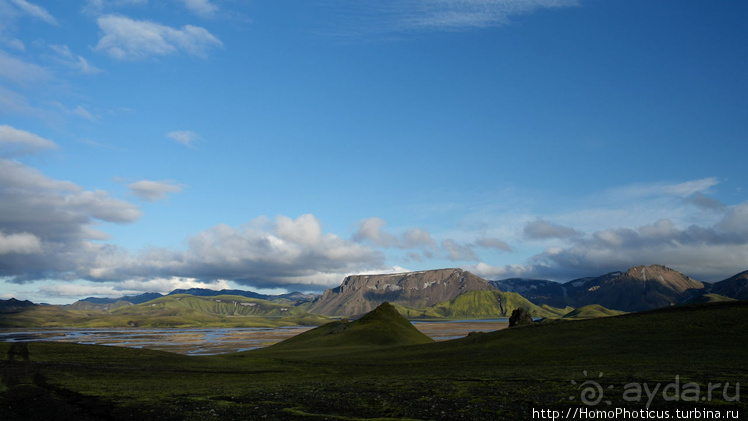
(359, 294)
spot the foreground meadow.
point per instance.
(355, 372)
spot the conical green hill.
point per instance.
(383, 326)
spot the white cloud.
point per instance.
(682, 190)
(96, 7)
(185, 137)
(81, 289)
(20, 72)
(457, 251)
(15, 142)
(34, 11)
(127, 39)
(54, 219)
(371, 230)
(77, 63)
(263, 253)
(705, 252)
(21, 243)
(153, 191)
(200, 7)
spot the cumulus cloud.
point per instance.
(78, 289)
(371, 230)
(48, 230)
(543, 230)
(22, 243)
(47, 225)
(153, 191)
(185, 137)
(705, 252)
(263, 253)
(127, 39)
(14, 142)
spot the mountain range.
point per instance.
(95, 303)
(441, 293)
(638, 288)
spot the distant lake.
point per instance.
(212, 341)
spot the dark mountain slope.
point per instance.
(733, 287)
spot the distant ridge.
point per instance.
(636, 289)
(204, 292)
(12, 305)
(132, 299)
(111, 303)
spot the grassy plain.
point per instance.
(498, 375)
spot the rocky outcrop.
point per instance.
(520, 317)
(360, 294)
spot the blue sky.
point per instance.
(282, 145)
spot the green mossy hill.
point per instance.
(475, 304)
(708, 298)
(226, 305)
(169, 311)
(383, 326)
(591, 311)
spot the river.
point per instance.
(212, 341)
